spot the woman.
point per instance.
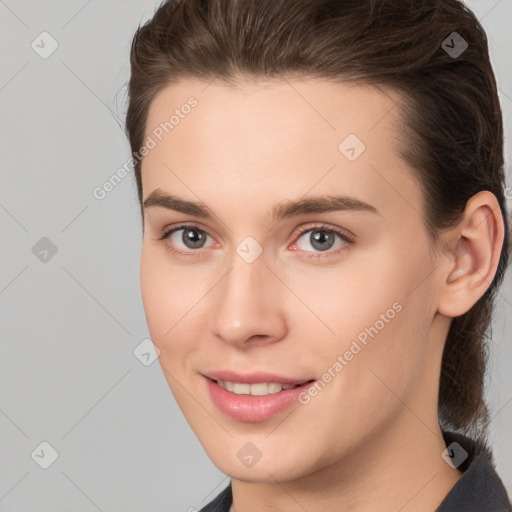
(322, 194)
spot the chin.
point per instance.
(264, 471)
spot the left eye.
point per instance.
(321, 239)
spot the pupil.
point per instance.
(321, 237)
(193, 238)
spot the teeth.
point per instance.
(259, 389)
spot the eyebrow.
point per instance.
(283, 210)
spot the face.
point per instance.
(304, 256)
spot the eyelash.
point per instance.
(308, 254)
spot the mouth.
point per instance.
(255, 401)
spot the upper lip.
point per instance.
(254, 377)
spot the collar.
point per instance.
(479, 489)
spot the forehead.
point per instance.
(328, 104)
(290, 133)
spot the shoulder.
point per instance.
(479, 489)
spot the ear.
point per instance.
(471, 255)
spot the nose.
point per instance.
(248, 305)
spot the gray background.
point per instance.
(69, 325)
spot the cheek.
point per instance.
(165, 307)
(374, 316)
(361, 294)
(154, 297)
(396, 333)
(166, 298)
(397, 350)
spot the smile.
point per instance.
(253, 402)
(258, 389)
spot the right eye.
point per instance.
(185, 239)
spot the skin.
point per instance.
(370, 440)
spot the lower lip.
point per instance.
(253, 407)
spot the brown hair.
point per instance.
(452, 122)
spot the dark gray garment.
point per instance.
(479, 489)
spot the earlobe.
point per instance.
(469, 263)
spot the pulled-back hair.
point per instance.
(452, 128)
